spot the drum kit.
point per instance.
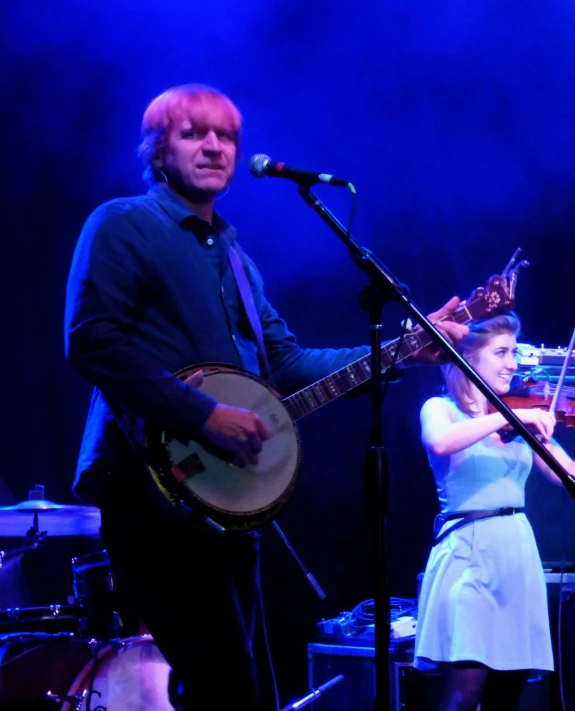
(90, 654)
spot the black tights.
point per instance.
(467, 684)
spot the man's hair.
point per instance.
(480, 334)
(165, 110)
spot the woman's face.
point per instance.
(497, 361)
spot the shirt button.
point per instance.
(209, 241)
(233, 336)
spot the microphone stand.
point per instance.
(313, 695)
(384, 286)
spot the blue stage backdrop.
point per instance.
(454, 121)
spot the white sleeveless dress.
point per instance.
(483, 596)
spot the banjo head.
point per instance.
(198, 477)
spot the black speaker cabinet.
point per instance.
(410, 690)
(561, 596)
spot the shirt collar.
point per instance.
(180, 212)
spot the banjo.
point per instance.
(197, 479)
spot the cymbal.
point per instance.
(55, 519)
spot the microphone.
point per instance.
(261, 165)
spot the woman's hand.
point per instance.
(541, 420)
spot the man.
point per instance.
(151, 291)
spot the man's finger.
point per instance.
(453, 331)
(195, 379)
(446, 310)
(264, 431)
(250, 454)
(255, 443)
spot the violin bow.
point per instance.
(562, 376)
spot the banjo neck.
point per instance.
(357, 373)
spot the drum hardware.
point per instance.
(102, 612)
(24, 519)
(49, 619)
(32, 540)
(131, 675)
(88, 692)
(75, 701)
(13, 613)
(62, 656)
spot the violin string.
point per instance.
(563, 375)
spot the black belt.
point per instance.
(467, 517)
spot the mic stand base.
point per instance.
(313, 695)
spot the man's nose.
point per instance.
(211, 142)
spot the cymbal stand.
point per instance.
(32, 540)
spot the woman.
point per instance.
(483, 616)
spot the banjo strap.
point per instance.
(247, 299)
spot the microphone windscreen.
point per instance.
(257, 165)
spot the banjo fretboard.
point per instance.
(355, 374)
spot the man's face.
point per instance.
(199, 156)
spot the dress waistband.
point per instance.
(467, 517)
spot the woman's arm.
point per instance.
(442, 436)
(561, 456)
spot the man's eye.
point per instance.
(224, 136)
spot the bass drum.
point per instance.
(103, 612)
(128, 675)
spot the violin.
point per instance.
(554, 397)
(557, 399)
(530, 393)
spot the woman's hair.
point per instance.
(480, 334)
(167, 108)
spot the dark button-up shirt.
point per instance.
(150, 292)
